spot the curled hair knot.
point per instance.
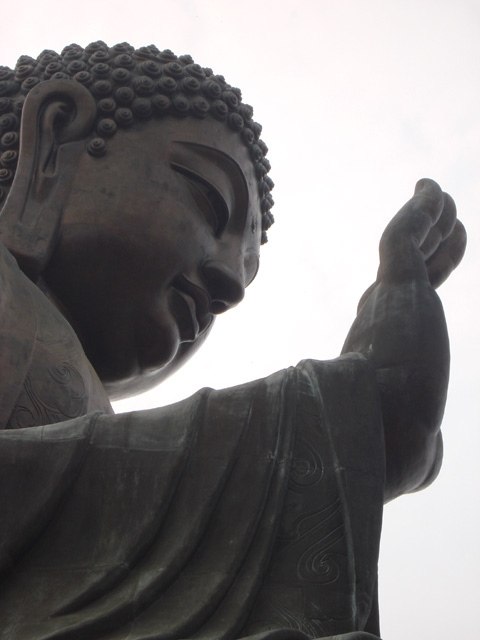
(102, 55)
(260, 170)
(161, 104)
(107, 105)
(106, 127)
(46, 58)
(8, 88)
(122, 47)
(29, 83)
(124, 95)
(5, 105)
(101, 70)
(123, 117)
(247, 136)
(190, 84)
(124, 60)
(93, 47)
(269, 182)
(52, 68)
(173, 69)
(142, 108)
(186, 59)
(97, 147)
(23, 71)
(84, 77)
(230, 98)
(9, 158)
(166, 55)
(257, 129)
(72, 52)
(6, 176)
(75, 66)
(146, 52)
(167, 85)
(181, 105)
(219, 110)
(151, 68)
(8, 122)
(18, 105)
(143, 86)
(24, 60)
(102, 88)
(200, 107)
(9, 139)
(7, 74)
(196, 71)
(246, 111)
(212, 89)
(121, 76)
(263, 147)
(236, 121)
(256, 153)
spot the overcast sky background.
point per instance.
(358, 99)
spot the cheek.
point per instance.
(252, 263)
(172, 242)
(156, 334)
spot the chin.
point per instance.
(142, 379)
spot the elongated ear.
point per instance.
(56, 112)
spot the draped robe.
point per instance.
(244, 511)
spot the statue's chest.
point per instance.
(55, 389)
(58, 383)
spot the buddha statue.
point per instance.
(135, 198)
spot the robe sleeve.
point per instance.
(165, 524)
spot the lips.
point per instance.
(191, 306)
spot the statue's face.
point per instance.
(157, 237)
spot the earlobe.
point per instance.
(56, 112)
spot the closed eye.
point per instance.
(208, 198)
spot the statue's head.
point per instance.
(135, 192)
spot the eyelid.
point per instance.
(211, 193)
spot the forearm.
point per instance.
(401, 329)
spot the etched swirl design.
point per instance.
(40, 404)
(307, 466)
(317, 566)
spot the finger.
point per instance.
(416, 217)
(448, 256)
(429, 198)
(443, 227)
(400, 258)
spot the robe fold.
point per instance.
(245, 511)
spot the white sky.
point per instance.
(358, 99)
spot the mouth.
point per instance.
(191, 306)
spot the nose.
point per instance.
(225, 284)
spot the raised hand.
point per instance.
(424, 239)
(400, 328)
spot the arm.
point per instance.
(401, 328)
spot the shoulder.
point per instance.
(17, 331)
(348, 369)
